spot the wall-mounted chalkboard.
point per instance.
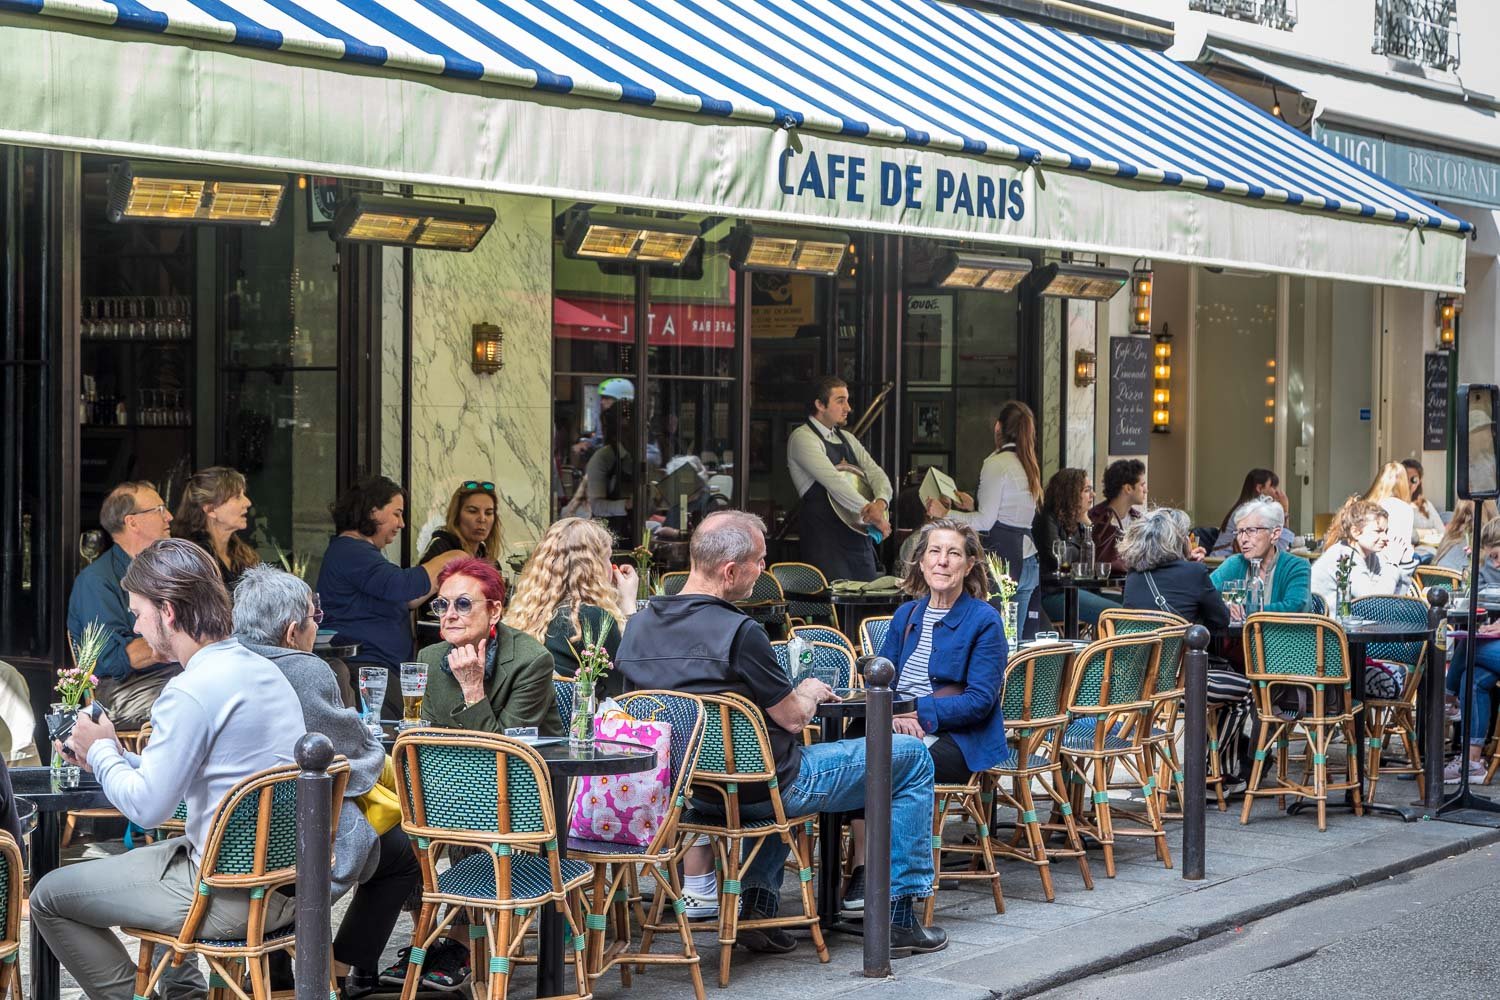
(1435, 383)
(1130, 373)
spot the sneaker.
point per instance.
(1452, 711)
(854, 892)
(446, 969)
(767, 940)
(1453, 772)
(700, 907)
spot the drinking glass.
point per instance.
(413, 687)
(372, 684)
(1102, 570)
(1060, 553)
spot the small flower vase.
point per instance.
(64, 773)
(581, 729)
(1345, 608)
(1011, 613)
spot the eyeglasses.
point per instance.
(160, 508)
(317, 611)
(462, 605)
(1250, 530)
(478, 484)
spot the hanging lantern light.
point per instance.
(1141, 280)
(1161, 394)
(1448, 308)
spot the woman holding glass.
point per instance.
(1064, 537)
(1010, 487)
(1269, 579)
(484, 675)
(568, 588)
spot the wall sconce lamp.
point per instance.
(488, 341)
(1085, 368)
(1141, 280)
(1161, 393)
(1448, 308)
(163, 192)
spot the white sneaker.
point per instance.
(700, 907)
(1452, 773)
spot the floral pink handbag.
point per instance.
(626, 808)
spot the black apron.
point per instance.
(826, 541)
(1009, 543)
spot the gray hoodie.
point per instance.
(356, 849)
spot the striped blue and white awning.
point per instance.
(923, 73)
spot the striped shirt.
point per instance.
(915, 681)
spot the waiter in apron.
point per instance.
(828, 469)
(1010, 486)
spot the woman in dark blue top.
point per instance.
(949, 650)
(366, 598)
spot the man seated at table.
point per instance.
(228, 715)
(130, 674)
(698, 642)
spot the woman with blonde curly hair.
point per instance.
(569, 586)
(213, 511)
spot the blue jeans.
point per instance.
(832, 779)
(1026, 596)
(1486, 676)
(1090, 605)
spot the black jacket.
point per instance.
(1186, 589)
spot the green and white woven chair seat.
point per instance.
(530, 878)
(1010, 761)
(275, 935)
(1156, 733)
(577, 845)
(1080, 736)
(694, 817)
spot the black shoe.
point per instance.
(917, 940)
(360, 983)
(767, 940)
(854, 893)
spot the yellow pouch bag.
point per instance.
(381, 807)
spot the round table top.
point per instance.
(38, 785)
(1070, 582)
(1365, 631)
(605, 757)
(889, 599)
(328, 649)
(853, 704)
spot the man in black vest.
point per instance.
(698, 642)
(829, 467)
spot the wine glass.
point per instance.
(1060, 553)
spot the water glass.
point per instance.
(1060, 553)
(372, 685)
(413, 688)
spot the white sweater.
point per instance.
(1371, 575)
(229, 714)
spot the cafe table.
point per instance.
(852, 609)
(1070, 585)
(330, 650)
(53, 800)
(832, 717)
(1360, 634)
(563, 764)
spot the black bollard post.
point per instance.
(879, 672)
(1434, 726)
(1194, 751)
(312, 967)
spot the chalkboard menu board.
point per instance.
(1129, 395)
(1435, 381)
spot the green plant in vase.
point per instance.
(1342, 571)
(75, 684)
(1004, 587)
(292, 562)
(593, 665)
(642, 557)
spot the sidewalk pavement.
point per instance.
(1274, 863)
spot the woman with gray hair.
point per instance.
(1160, 575)
(276, 616)
(1285, 581)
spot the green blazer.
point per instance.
(517, 687)
(1291, 580)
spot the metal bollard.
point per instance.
(1434, 725)
(1194, 751)
(879, 672)
(313, 968)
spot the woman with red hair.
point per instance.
(484, 675)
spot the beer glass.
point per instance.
(413, 687)
(372, 684)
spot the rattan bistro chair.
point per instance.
(824, 633)
(252, 845)
(736, 750)
(1109, 700)
(969, 801)
(616, 864)
(1394, 718)
(1308, 653)
(672, 583)
(872, 634)
(10, 918)
(804, 578)
(1424, 577)
(1032, 702)
(1166, 696)
(490, 794)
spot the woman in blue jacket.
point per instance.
(949, 649)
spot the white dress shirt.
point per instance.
(229, 714)
(1004, 497)
(807, 460)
